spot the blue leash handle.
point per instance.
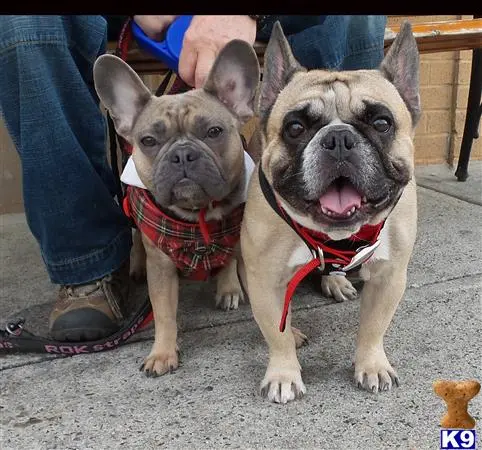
(168, 50)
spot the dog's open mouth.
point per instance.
(341, 201)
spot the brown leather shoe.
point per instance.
(91, 311)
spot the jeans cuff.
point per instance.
(95, 265)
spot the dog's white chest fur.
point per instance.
(300, 256)
(383, 250)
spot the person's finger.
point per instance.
(187, 65)
(154, 26)
(205, 60)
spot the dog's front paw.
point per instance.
(282, 385)
(374, 373)
(158, 363)
(229, 300)
(229, 292)
(338, 287)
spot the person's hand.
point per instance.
(205, 38)
(154, 26)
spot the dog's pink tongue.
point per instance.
(340, 200)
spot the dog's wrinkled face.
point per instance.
(338, 146)
(187, 148)
(192, 153)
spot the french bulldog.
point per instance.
(187, 181)
(336, 160)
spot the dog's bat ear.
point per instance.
(279, 67)
(401, 66)
(121, 91)
(234, 78)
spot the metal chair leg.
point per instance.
(472, 117)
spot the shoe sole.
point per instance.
(85, 324)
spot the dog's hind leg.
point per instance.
(138, 258)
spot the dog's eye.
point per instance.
(214, 132)
(148, 141)
(382, 124)
(294, 129)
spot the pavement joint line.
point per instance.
(445, 280)
(237, 321)
(458, 197)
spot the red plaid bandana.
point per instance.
(183, 242)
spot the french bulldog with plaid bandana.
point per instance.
(187, 178)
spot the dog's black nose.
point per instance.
(338, 140)
(184, 155)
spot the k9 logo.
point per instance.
(457, 439)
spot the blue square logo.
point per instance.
(457, 439)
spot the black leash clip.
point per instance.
(15, 328)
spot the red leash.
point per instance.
(293, 284)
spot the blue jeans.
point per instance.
(332, 42)
(49, 104)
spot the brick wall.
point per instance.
(444, 88)
(444, 79)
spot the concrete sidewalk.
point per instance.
(102, 401)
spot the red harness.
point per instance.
(335, 257)
(338, 258)
(199, 250)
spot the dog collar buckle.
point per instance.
(362, 255)
(318, 254)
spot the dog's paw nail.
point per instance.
(264, 391)
(299, 393)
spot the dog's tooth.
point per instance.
(352, 210)
(348, 214)
(364, 199)
(324, 210)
